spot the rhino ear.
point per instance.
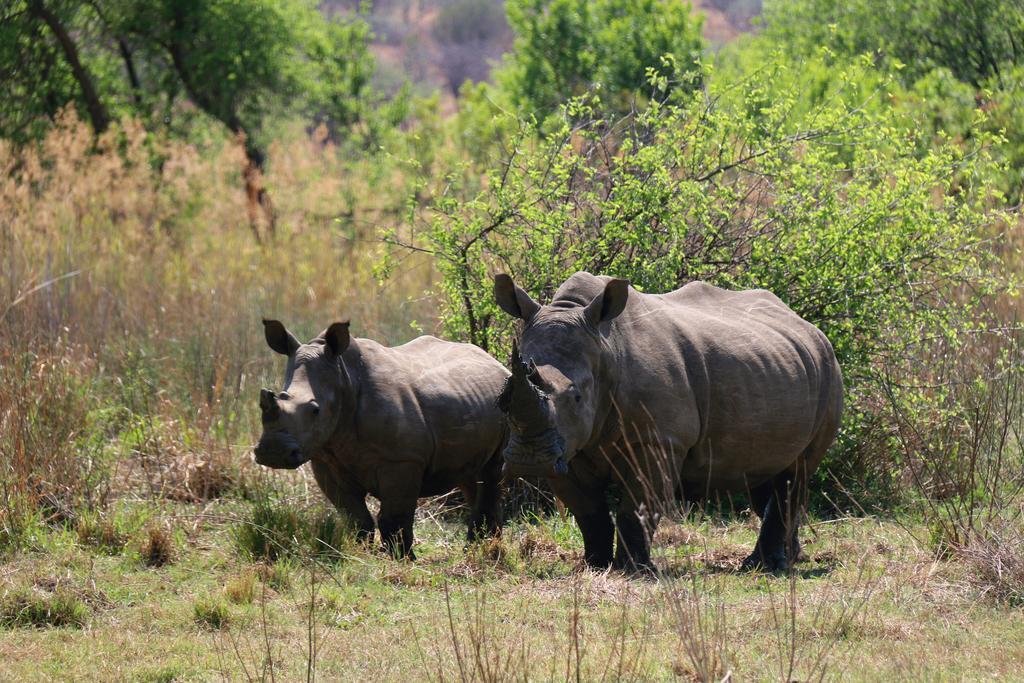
(279, 338)
(513, 299)
(337, 337)
(608, 304)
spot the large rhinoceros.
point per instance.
(695, 391)
(396, 423)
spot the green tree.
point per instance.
(244, 63)
(43, 67)
(834, 211)
(975, 39)
(564, 48)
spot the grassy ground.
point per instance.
(870, 603)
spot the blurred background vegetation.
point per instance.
(173, 170)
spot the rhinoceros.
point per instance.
(396, 423)
(681, 394)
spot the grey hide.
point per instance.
(395, 423)
(657, 396)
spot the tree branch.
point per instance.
(94, 106)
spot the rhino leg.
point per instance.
(400, 489)
(485, 499)
(590, 509)
(781, 503)
(395, 522)
(598, 534)
(633, 539)
(346, 497)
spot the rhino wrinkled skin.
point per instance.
(661, 396)
(396, 423)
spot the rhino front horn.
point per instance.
(268, 404)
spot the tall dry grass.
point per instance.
(964, 456)
(131, 292)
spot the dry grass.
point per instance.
(130, 346)
(157, 548)
(996, 559)
(241, 589)
(871, 603)
(131, 291)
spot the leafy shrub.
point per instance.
(953, 67)
(974, 39)
(834, 213)
(565, 48)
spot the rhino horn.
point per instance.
(519, 369)
(268, 405)
(533, 373)
(525, 401)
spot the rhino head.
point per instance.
(559, 387)
(299, 420)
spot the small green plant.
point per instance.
(242, 589)
(211, 613)
(158, 547)
(100, 532)
(277, 528)
(19, 522)
(27, 608)
(165, 674)
(276, 575)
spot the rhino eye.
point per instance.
(314, 408)
(578, 398)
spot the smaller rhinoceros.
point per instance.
(396, 423)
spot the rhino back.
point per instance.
(733, 379)
(428, 401)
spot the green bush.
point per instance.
(953, 67)
(974, 39)
(565, 48)
(834, 211)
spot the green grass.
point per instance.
(273, 529)
(25, 607)
(211, 613)
(871, 603)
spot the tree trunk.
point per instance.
(129, 67)
(257, 198)
(97, 112)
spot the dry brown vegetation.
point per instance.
(131, 297)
